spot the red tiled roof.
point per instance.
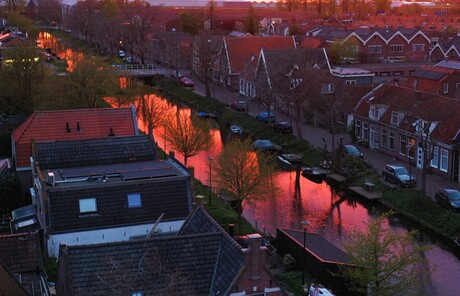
(46, 126)
(240, 50)
(312, 42)
(416, 105)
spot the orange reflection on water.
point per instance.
(47, 41)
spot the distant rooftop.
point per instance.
(449, 64)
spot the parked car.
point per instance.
(352, 150)
(448, 198)
(263, 116)
(236, 129)
(186, 82)
(398, 175)
(121, 54)
(239, 106)
(266, 145)
(132, 60)
(283, 127)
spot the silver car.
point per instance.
(399, 175)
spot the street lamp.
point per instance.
(304, 225)
(210, 177)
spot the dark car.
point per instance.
(398, 175)
(283, 127)
(263, 116)
(266, 145)
(352, 150)
(448, 198)
(239, 106)
(186, 82)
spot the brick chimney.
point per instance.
(254, 256)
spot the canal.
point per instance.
(332, 214)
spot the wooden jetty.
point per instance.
(362, 191)
(337, 178)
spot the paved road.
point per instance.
(315, 137)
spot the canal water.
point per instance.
(332, 214)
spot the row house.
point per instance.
(199, 259)
(437, 79)
(62, 125)
(107, 190)
(379, 45)
(172, 49)
(446, 50)
(237, 54)
(412, 125)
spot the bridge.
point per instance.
(144, 70)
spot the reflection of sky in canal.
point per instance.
(332, 215)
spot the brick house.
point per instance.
(237, 53)
(61, 125)
(399, 121)
(199, 259)
(436, 79)
(446, 50)
(106, 190)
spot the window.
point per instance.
(444, 160)
(394, 118)
(350, 82)
(355, 48)
(418, 47)
(402, 145)
(375, 48)
(25, 223)
(327, 88)
(134, 200)
(457, 86)
(365, 131)
(384, 138)
(88, 205)
(445, 88)
(391, 143)
(397, 48)
(435, 160)
(374, 114)
(137, 293)
(358, 129)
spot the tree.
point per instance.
(343, 51)
(153, 111)
(382, 5)
(384, 262)
(11, 189)
(424, 130)
(21, 78)
(251, 22)
(212, 14)
(245, 173)
(207, 48)
(188, 135)
(50, 11)
(88, 84)
(191, 23)
(294, 30)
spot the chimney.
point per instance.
(198, 202)
(50, 179)
(231, 230)
(255, 256)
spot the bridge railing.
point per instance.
(141, 67)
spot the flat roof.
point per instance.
(121, 172)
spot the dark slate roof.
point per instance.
(429, 74)
(20, 252)
(9, 285)
(320, 247)
(64, 154)
(200, 264)
(168, 195)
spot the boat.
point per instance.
(291, 159)
(314, 172)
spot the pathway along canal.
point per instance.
(333, 215)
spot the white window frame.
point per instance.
(435, 161)
(365, 131)
(25, 223)
(394, 118)
(350, 82)
(445, 88)
(391, 141)
(383, 134)
(402, 144)
(444, 160)
(374, 112)
(418, 47)
(88, 205)
(134, 204)
(375, 49)
(397, 48)
(358, 130)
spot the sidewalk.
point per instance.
(315, 137)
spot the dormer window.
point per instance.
(445, 88)
(395, 118)
(88, 206)
(374, 113)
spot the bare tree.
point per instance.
(84, 18)
(245, 173)
(188, 135)
(206, 49)
(153, 111)
(424, 130)
(50, 11)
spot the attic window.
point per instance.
(134, 200)
(445, 88)
(88, 205)
(395, 120)
(374, 112)
(25, 223)
(137, 293)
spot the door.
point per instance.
(372, 138)
(419, 157)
